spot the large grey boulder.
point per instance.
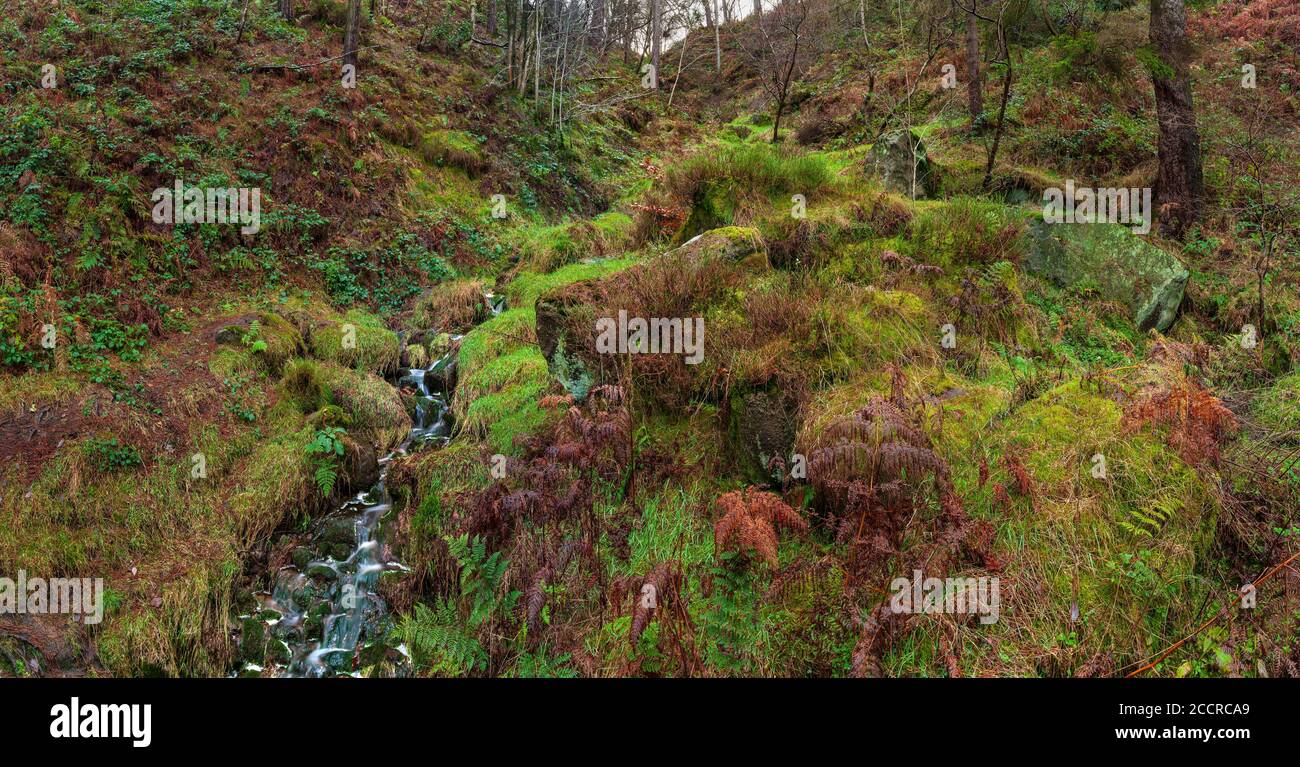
(1109, 258)
(900, 161)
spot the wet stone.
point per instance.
(302, 556)
(339, 530)
(252, 640)
(322, 572)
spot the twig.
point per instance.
(1170, 650)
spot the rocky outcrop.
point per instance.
(1109, 258)
(901, 163)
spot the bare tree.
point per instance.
(1004, 60)
(243, 20)
(1180, 188)
(780, 53)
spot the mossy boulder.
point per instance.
(558, 313)
(271, 339)
(375, 408)
(453, 148)
(737, 244)
(712, 207)
(417, 356)
(357, 340)
(567, 314)
(1112, 260)
(501, 378)
(900, 161)
(360, 465)
(252, 640)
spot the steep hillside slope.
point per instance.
(877, 369)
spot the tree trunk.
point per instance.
(656, 35)
(286, 9)
(243, 19)
(1180, 187)
(758, 8)
(598, 22)
(976, 85)
(625, 28)
(492, 19)
(352, 33)
(537, 58)
(711, 19)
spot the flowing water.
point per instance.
(324, 616)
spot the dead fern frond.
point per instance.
(1197, 421)
(750, 520)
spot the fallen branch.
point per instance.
(274, 67)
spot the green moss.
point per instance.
(228, 363)
(523, 290)
(714, 183)
(510, 413)
(453, 148)
(357, 340)
(498, 336)
(872, 327)
(501, 398)
(373, 405)
(417, 356)
(1122, 547)
(303, 385)
(502, 375)
(1278, 407)
(280, 341)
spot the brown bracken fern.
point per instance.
(1196, 419)
(749, 523)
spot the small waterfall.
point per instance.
(324, 616)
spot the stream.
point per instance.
(324, 616)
